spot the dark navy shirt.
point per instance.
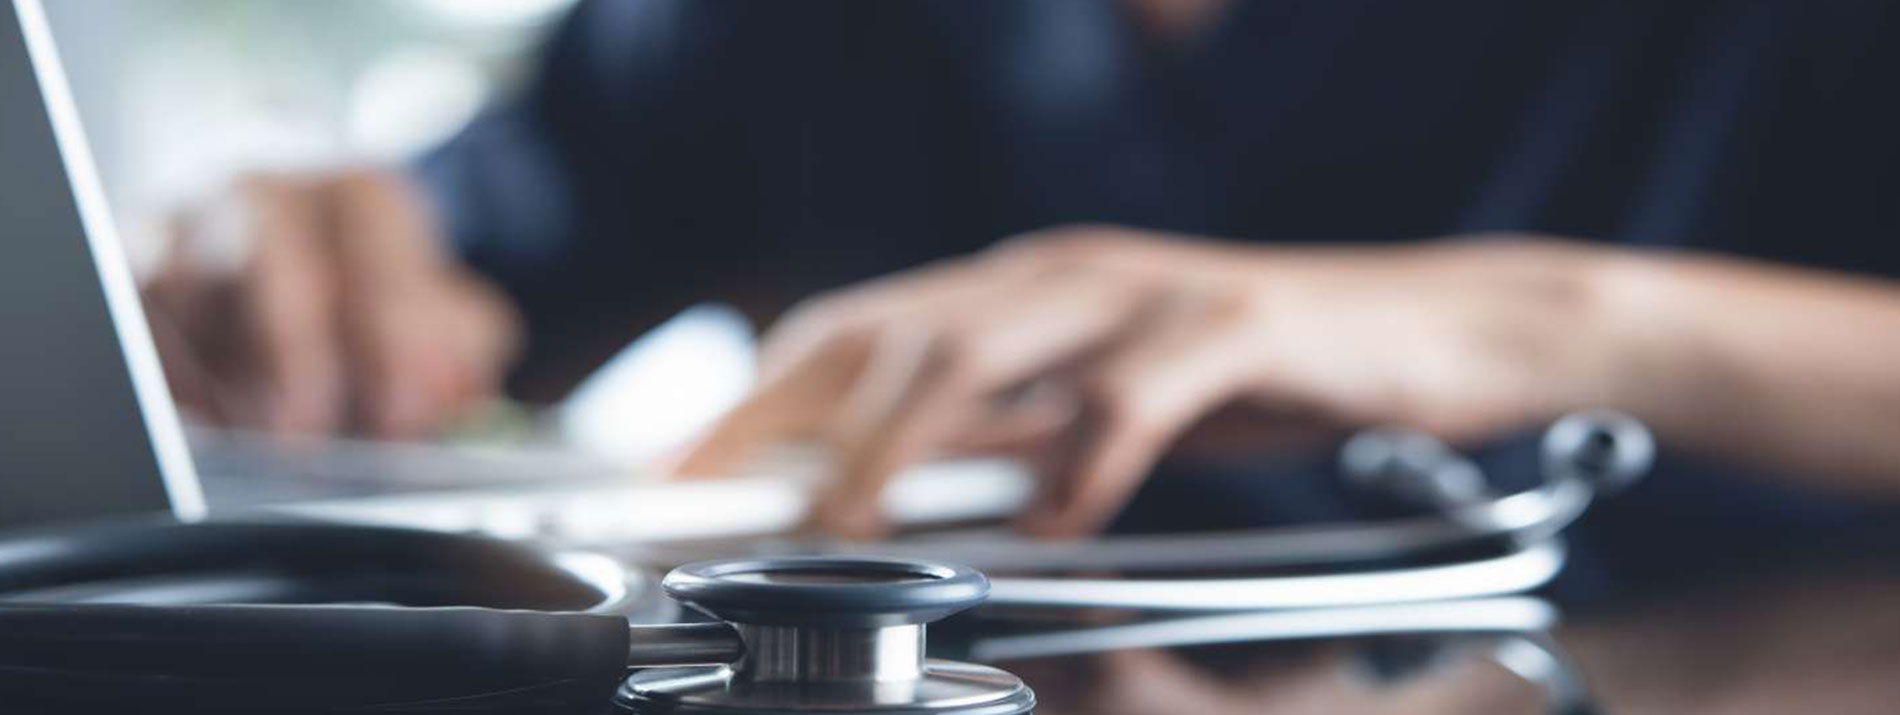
(675, 149)
(679, 150)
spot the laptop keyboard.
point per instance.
(557, 495)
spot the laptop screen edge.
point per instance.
(160, 413)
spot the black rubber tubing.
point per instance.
(324, 658)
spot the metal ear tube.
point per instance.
(1412, 467)
(1593, 453)
(1606, 449)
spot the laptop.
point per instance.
(88, 429)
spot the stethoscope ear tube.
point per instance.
(1583, 456)
(308, 657)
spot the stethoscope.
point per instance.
(116, 615)
(788, 634)
(1583, 456)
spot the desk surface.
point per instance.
(1784, 640)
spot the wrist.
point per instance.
(1636, 307)
(1590, 320)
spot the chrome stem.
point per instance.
(683, 644)
(803, 654)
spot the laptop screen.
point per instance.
(86, 425)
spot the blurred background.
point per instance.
(178, 96)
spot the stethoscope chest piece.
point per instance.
(827, 635)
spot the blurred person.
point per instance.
(1096, 231)
(339, 309)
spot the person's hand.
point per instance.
(1101, 347)
(317, 304)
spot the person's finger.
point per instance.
(1139, 398)
(415, 331)
(489, 331)
(405, 375)
(423, 360)
(385, 235)
(791, 403)
(198, 390)
(813, 361)
(927, 381)
(901, 401)
(176, 306)
(290, 292)
(818, 323)
(1019, 421)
